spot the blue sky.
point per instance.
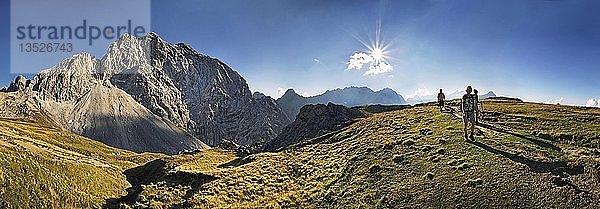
(535, 50)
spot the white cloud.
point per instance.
(379, 68)
(556, 101)
(303, 93)
(593, 103)
(359, 61)
(280, 91)
(420, 92)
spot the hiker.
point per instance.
(441, 97)
(469, 107)
(476, 106)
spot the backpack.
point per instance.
(468, 102)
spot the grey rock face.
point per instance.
(147, 94)
(194, 91)
(75, 96)
(18, 85)
(291, 102)
(312, 121)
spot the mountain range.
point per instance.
(454, 95)
(146, 94)
(291, 102)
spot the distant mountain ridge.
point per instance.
(291, 102)
(453, 95)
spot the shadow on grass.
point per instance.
(538, 142)
(153, 172)
(238, 162)
(557, 168)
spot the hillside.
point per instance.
(525, 155)
(313, 121)
(412, 157)
(43, 167)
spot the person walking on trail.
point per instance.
(441, 99)
(468, 108)
(476, 106)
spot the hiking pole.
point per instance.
(481, 111)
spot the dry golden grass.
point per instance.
(414, 158)
(44, 167)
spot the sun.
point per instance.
(377, 54)
(374, 60)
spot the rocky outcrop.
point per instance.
(291, 102)
(313, 121)
(18, 85)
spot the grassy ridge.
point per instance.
(402, 157)
(578, 126)
(44, 167)
(413, 158)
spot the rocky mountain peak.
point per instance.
(290, 92)
(194, 91)
(258, 95)
(82, 62)
(19, 84)
(177, 93)
(67, 80)
(387, 90)
(129, 54)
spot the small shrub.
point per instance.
(442, 141)
(399, 159)
(474, 182)
(429, 175)
(464, 166)
(409, 142)
(374, 169)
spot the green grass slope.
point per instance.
(525, 155)
(578, 126)
(42, 167)
(409, 158)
